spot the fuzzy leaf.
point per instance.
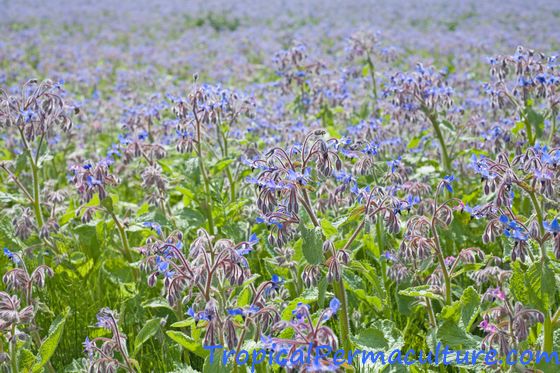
(541, 286)
(49, 345)
(421, 291)
(148, 331)
(312, 245)
(187, 342)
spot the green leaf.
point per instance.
(519, 126)
(87, 237)
(322, 289)
(421, 291)
(44, 159)
(108, 203)
(372, 338)
(517, 283)
(220, 166)
(451, 334)
(370, 300)
(470, 304)
(148, 331)
(464, 311)
(329, 230)
(187, 342)
(183, 323)
(157, 303)
(26, 360)
(244, 297)
(216, 366)
(536, 120)
(447, 124)
(49, 345)
(541, 286)
(312, 245)
(383, 335)
(287, 312)
(416, 140)
(7, 238)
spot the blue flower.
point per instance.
(552, 227)
(277, 280)
(393, 165)
(370, 149)
(334, 305)
(91, 181)
(235, 312)
(190, 312)
(154, 226)
(27, 115)
(163, 267)
(298, 177)
(447, 180)
(10, 255)
(143, 135)
(389, 256)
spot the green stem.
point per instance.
(548, 329)
(432, 116)
(553, 128)
(540, 219)
(431, 314)
(208, 197)
(338, 286)
(556, 317)
(344, 323)
(373, 80)
(548, 325)
(13, 357)
(529, 131)
(124, 238)
(444, 154)
(35, 180)
(36, 195)
(307, 205)
(441, 260)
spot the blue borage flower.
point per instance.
(393, 165)
(298, 177)
(28, 115)
(12, 256)
(268, 221)
(153, 226)
(481, 167)
(474, 211)
(247, 311)
(247, 247)
(371, 148)
(552, 227)
(163, 265)
(513, 229)
(447, 180)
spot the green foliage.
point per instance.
(49, 345)
(312, 244)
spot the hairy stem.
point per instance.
(338, 285)
(437, 130)
(122, 235)
(553, 128)
(441, 260)
(205, 178)
(373, 80)
(13, 357)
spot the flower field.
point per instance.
(277, 180)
